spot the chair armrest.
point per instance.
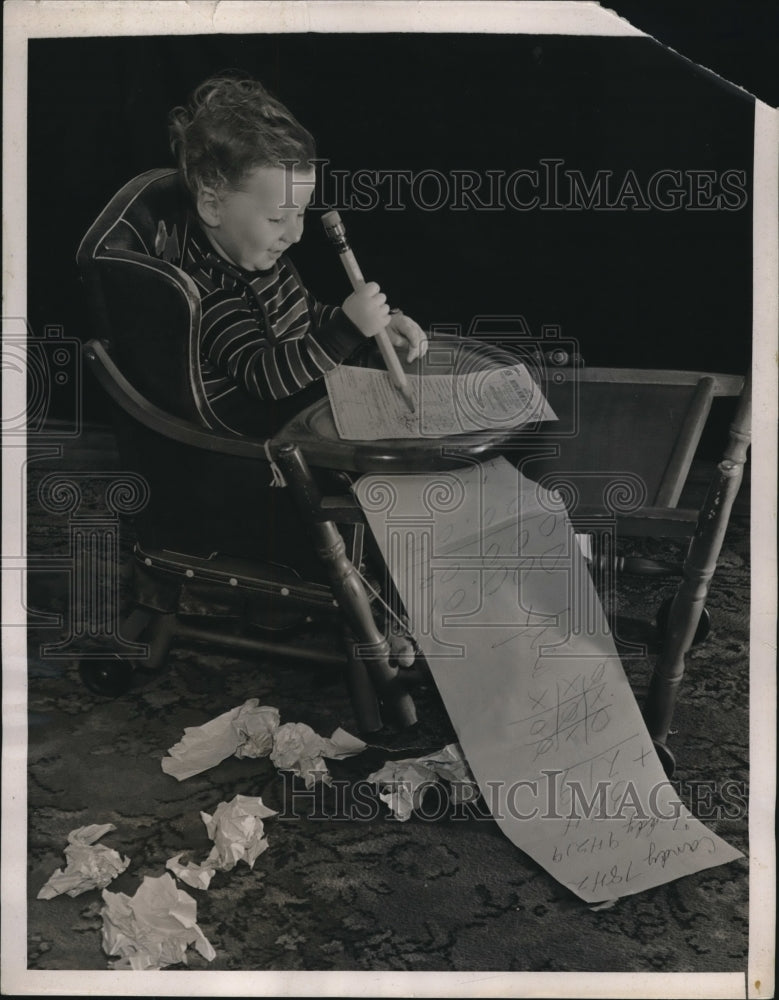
(723, 385)
(344, 509)
(125, 395)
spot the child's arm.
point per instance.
(235, 341)
(315, 338)
(368, 311)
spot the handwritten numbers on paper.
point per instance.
(508, 617)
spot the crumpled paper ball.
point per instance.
(191, 874)
(451, 765)
(90, 865)
(255, 726)
(237, 831)
(245, 731)
(153, 928)
(297, 748)
(402, 783)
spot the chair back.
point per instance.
(144, 307)
(147, 312)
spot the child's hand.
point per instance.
(367, 308)
(404, 332)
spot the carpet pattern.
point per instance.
(443, 892)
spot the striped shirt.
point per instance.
(263, 336)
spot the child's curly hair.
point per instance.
(231, 126)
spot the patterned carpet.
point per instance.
(442, 893)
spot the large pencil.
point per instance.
(336, 232)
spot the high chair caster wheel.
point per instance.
(108, 677)
(701, 632)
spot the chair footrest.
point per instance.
(269, 579)
(653, 522)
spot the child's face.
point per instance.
(255, 223)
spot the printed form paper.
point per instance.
(367, 407)
(501, 602)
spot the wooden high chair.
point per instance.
(215, 528)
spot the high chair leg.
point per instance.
(361, 689)
(349, 591)
(699, 567)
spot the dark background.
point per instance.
(644, 289)
(737, 39)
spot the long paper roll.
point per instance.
(501, 602)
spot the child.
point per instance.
(265, 340)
